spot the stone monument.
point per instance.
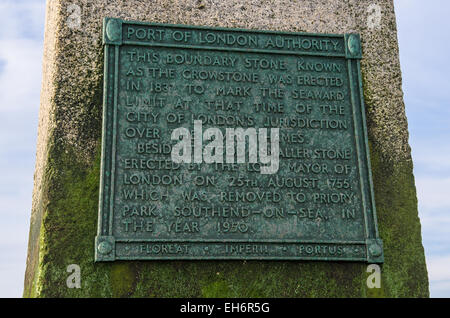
(223, 149)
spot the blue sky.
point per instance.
(423, 31)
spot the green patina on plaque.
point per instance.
(318, 203)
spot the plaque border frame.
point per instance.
(106, 244)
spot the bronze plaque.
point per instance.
(233, 144)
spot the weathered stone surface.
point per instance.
(65, 198)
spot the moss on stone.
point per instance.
(404, 271)
(69, 227)
(70, 223)
(122, 280)
(218, 289)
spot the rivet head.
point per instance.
(113, 30)
(375, 250)
(104, 248)
(353, 44)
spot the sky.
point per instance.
(423, 33)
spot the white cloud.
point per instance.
(427, 160)
(433, 193)
(423, 49)
(439, 275)
(22, 19)
(21, 75)
(440, 289)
